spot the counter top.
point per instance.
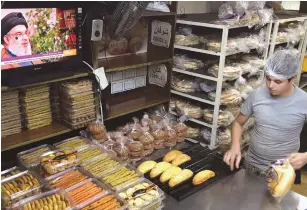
(240, 191)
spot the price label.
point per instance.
(157, 75)
(161, 33)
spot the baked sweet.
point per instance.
(170, 173)
(202, 176)
(184, 175)
(171, 155)
(159, 169)
(180, 159)
(146, 166)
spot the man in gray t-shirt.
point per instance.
(280, 111)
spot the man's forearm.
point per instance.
(236, 133)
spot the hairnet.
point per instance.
(283, 65)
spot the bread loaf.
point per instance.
(169, 173)
(180, 159)
(159, 169)
(202, 176)
(181, 177)
(146, 166)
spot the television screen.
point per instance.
(38, 36)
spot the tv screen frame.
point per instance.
(71, 62)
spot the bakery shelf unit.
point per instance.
(54, 129)
(279, 21)
(134, 98)
(202, 24)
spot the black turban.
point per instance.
(10, 21)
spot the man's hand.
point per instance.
(298, 160)
(233, 157)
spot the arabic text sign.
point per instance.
(157, 75)
(161, 33)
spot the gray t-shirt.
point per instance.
(279, 122)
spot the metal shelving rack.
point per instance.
(285, 18)
(205, 20)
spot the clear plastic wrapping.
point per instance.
(185, 37)
(136, 149)
(142, 195)
(101, 166)
(170, 137)
(10, 172)
(77, 125)
(231, 72)
(184, 85)
(148, 142)
(30, 158)
(78, 86)
(121, 177)
(58, 160)
(97, 130)
(193, 132)
(242, 86)
(74, 142)
(225, 117)
(54, 199)
(120, 148)
(224, 136)
(186, 63)
(189, 110)
(159, 134)
(90, 152)
(205, 134)
(228, 97)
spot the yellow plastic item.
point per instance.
(304, 67)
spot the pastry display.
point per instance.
(170, 173)
(215, 45)
(48, 200)
(180, 159)
(190, 110)
(101, 166)
(146, 166)
(225, 117)
(59, 160)
(120, 176)
(186, 40)
(202, 176)
(280, 178)
(228, 97)
(35, 106)
(75, 143)
(184, 175)
(30, 158)
(159, 169)
(230, 72)
(171, 155)
(68, 179)
(141, 195)
(186, 63)
(193, 132)
(184, 85)
(18, 187)
(10, 172)
(254, 61)
(108, 202)
(10, 113)
(84, 192)
(89, 152)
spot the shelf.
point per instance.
(197, 121)
(125, 62)
(133, 104)
(79, 75)
(287, 16)
(194, 49)
(200, 73)
(197, 96)
(30, 136)
(153, 13)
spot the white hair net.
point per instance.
(283, 65)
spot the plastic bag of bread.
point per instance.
(189, 110)
(97, 130)
(205, 134)
(148, 142)
(109, 146)
(193, 132)
(136, 149)
(228, 97)
(145, 122)
(225, 117)
(254, 61)
(136, 131)
(280, 178)
(159, 134)
(185, 63)
(185, 37)
(242, 86)
(170, 134)
(121, 149)
(256, 81)
(224, 136)
(184, 84)
(231, 72)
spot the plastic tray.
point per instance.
(77, 105)
(59, 176)
(78, 97)
(38, 124)
(123, 185)
(98, 197)
(9, 95)
(10, 132)
(83, 142)
(34, 99)
(149, 203)
(72, 111)
(35, 104)
(10, 172)
(34, 156)
(77, 125)
(77, 87)
(95, 181)
(59, 163)
(79, 119)
(17, 182)
(98, 160)
(10, 125)
(44, 108)
(99, 152)
(11, 105)
(10, 116)
(51, 195)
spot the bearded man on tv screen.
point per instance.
(15, 39)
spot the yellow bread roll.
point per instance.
(146, 166)
(170, 156)
(159, 169)
(202, 176)
(286, 177)
(169, 173)
(181, 177)
(180, 159)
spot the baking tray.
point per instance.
(201, 160)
